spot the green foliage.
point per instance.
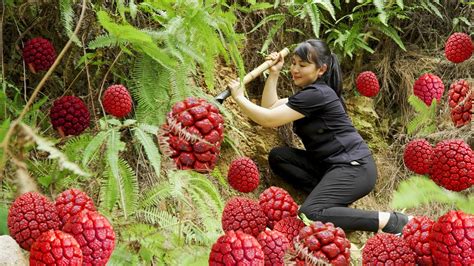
(424, 121)
(420, 190)
(3, 219)
(67, 17)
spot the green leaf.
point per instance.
(150, 148)
(425, 192)
(435, 10)
(93, 147)
(3, 219)
(418, 104)
(380, 6)
(392, 33)
(3, 131)
(326, 4)
(313, 13)
(400, 4)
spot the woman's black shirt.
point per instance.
(326, 130)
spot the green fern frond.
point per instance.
(67, 17)
(150, 148)
(418, 104)
(427, 192)
(313, 13)
(154, 195)
(392, 33)
(75, 147)
(106, 41)
(93, 147)
(54, 153)
(150, 88)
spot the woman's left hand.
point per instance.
(236, 89)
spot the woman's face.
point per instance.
(303, 72)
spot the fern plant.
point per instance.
(424, 121)
(428, 192)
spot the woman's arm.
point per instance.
(269, 95)
(275, 117)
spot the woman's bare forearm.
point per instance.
(269, 95)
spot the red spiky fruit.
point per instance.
(322, 242)
(39, 54)
(458, 47)
(236, 248)
(72, 201)
(452, 239)
(30, 215)
(117, 101)
(243, 175)
(428, 87)
(387, 249)
(193, 134)
(277, 204)
(94, 234)
(367, 84)
(289, 226)
(69, 115)
(274, 245)
(54, 247)
(453, 165)
(460, 99)
(416, 233)
(243, 214)
(417, 156)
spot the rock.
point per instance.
(11, 254)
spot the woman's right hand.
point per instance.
(278, 61)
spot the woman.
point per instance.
(336, 167)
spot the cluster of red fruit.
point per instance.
(458, 48)
(261, 233)
(449, 164)
(69, 114)
(448, 241)
(192, 134)
(69, 231)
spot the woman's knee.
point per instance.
(311, 211)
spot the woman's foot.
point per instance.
(396, 223)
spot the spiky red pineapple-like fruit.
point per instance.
(39, 54)
(452, 239)
(243, 214)
(72, 201)
(453, 165)
(417, 156)
(193, 134)
(428, 87)
(243, 175)
(277, 204)
(54, 247)
(94, 234)
(387, 249)
(289, 226)
(458, 47)
(117, 101)
(322, 242)
(416, 233)
(274, 245)
(69, 115)
(30, 215)
(236, 248)
(367, 84)
(460, 97)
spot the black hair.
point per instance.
(318, 52)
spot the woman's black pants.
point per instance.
(332, 187)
